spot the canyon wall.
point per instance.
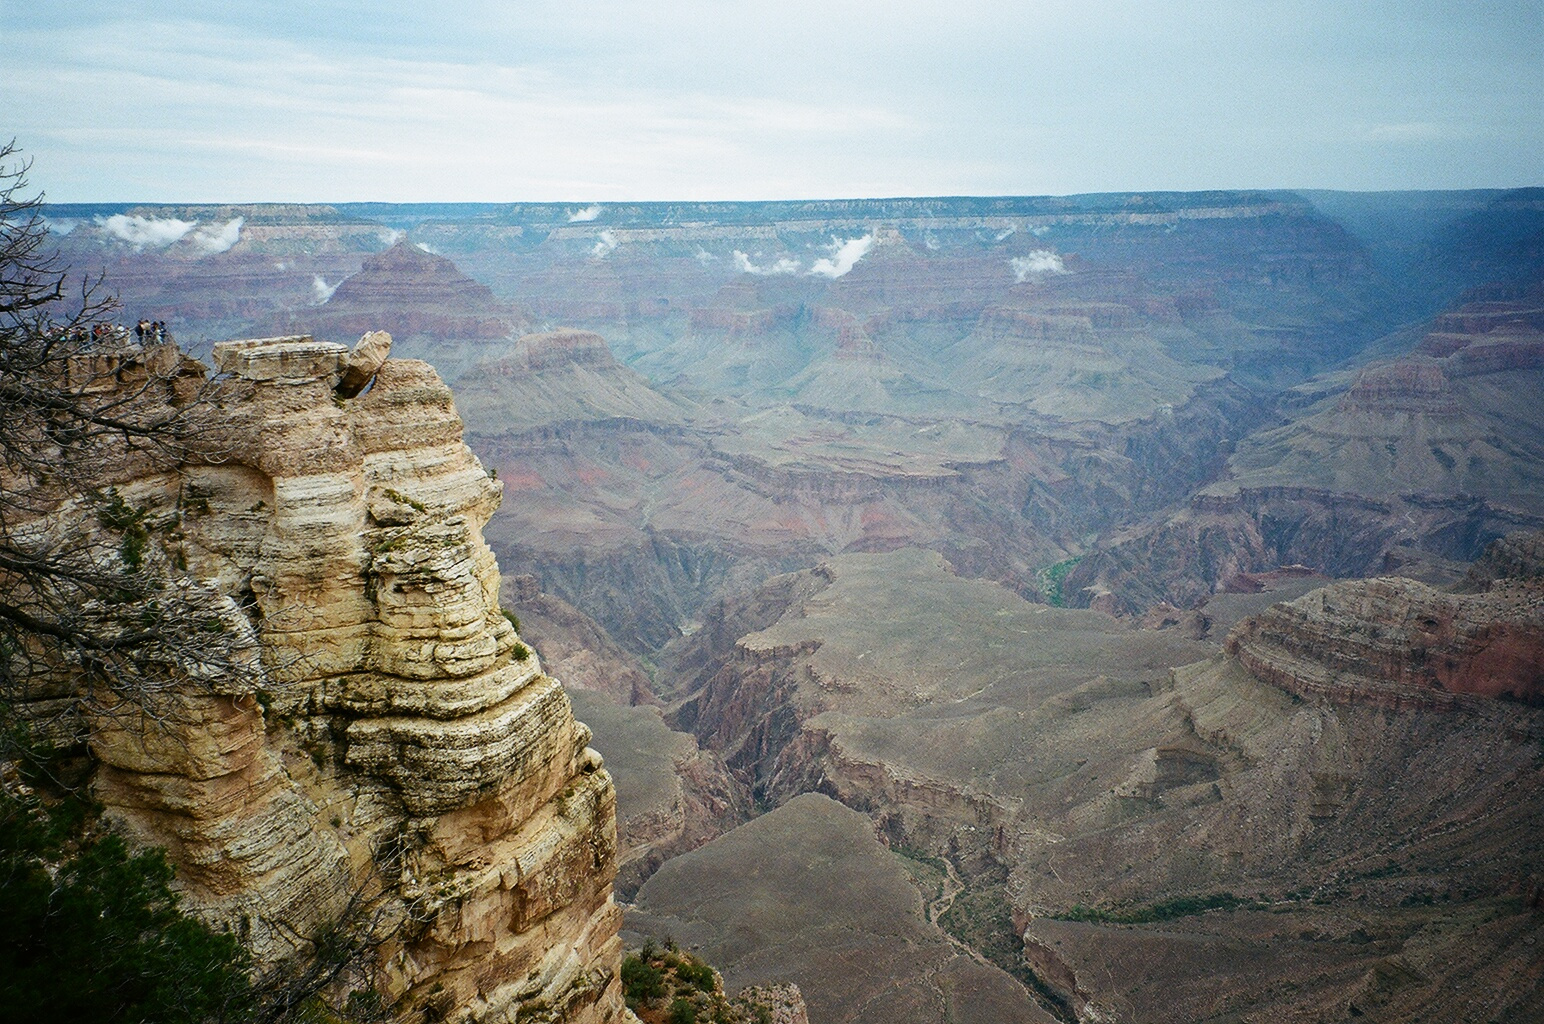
(1395, 642)
(1427, 457)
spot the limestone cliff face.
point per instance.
(403, 749)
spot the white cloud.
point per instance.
(844, 256)
(587, 214)
(1005, 234)
(213, 239)
(426, 247)
(391, 236)
(785, 265)
(142, 231)
(59, 225)
(1037, 264)
(1040, 231)
(321, 289)
(161, 232)
(704, 257)
(604, 246)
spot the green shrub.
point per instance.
(695, 973)
(402, 499)
(116, 514)
(683, 1011)
(1052, 577)
(642, 982)
(1167, 910)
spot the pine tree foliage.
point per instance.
(92, 931)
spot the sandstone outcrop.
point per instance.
(399, 748)
(363, 361)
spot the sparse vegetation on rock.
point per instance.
(92, 585)
(666, 985)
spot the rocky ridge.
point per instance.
(543, 380)
(1393, 642)
(1346, 824)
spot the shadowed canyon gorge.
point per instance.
(1099, 608)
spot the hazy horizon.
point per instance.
(573, 204)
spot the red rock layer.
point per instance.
(1403, 386)
(1398, 643)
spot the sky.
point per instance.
(606, 100)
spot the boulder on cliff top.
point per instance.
(366, 357)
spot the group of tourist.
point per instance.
(110, 335)
(150, 330)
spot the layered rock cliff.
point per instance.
(545, 380)
(1397, 642)
(398, 763)
(434, 310)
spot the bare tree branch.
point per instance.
(92, 597)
